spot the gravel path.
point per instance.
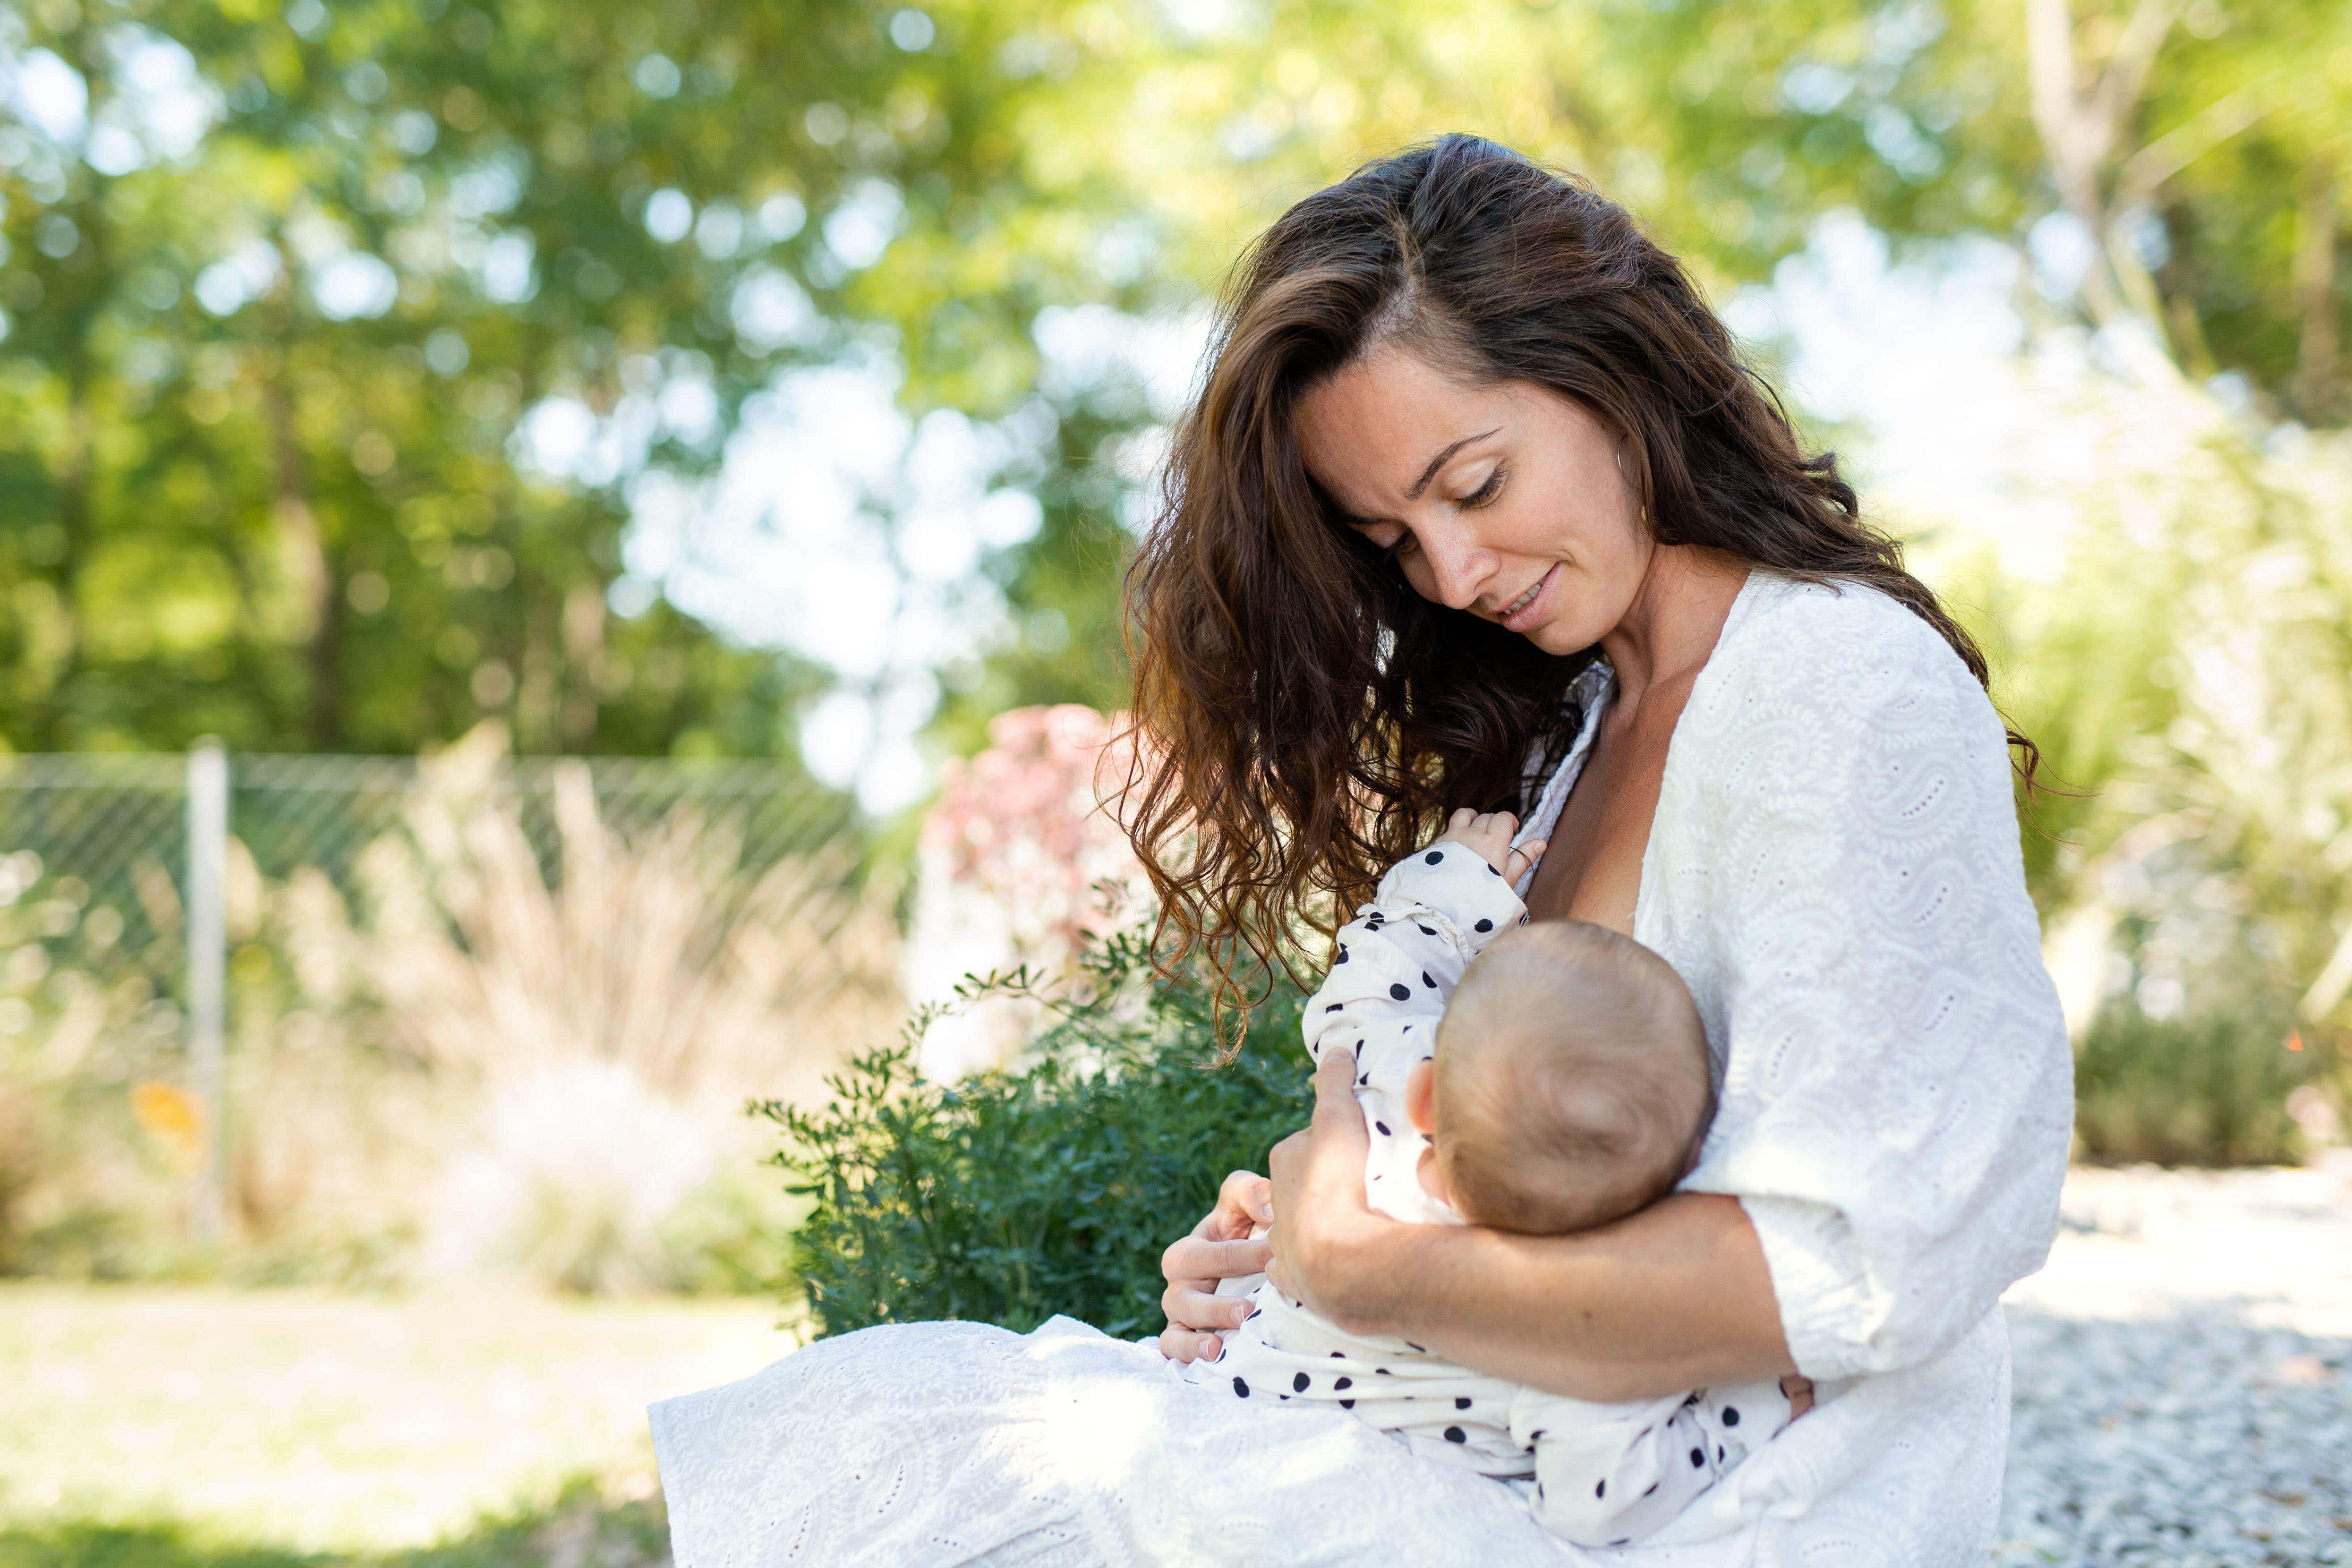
(2184, 1374)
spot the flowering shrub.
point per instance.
(1019, 863)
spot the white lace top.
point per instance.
(1834, 870)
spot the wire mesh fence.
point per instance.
(111, 833)
(144, 879)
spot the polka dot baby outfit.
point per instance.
(1595, 1474)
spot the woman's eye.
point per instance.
(1487, 491)
(1400, 546)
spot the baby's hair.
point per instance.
(1573, 1080)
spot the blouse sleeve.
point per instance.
(1898, 1086)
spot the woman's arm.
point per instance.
(1672, 1297)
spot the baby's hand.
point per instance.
(1488, 834)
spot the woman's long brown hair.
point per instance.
(1306, 718)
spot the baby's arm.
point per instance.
(1396, 964)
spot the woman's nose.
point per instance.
(1458, 569)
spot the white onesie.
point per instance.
(1602, 1475)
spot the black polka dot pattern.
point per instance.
(1698, 1457)
(1484, 925)
(1385, 1129)
(1400, 992)
(1298, 1383)
(1332, 1008)
(1343, 957)
(1345, 1382)
(1426, 980)
(1730, 1415)
(1601, 1487)
(1455, 1435)
(1241, 1388)
(1434, 856)
(1461, 1402)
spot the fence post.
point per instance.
(208, 960)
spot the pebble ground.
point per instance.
(2184, 1374)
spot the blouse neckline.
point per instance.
(1593, 688)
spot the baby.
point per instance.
(1565, 1086)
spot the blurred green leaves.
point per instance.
(338, 335)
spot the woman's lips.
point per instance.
(1531, 610)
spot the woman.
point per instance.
(1478, 506)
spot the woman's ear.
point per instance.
(1421, 1097)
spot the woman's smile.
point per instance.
(1524, 613)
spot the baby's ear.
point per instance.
(1421, 1097)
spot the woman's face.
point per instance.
(1505, 501)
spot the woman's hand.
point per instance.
(1325, 1226)
(1220, 1248)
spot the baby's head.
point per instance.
(1570, 1085)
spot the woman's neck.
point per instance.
(1677, 614)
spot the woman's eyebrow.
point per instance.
(1438, 462)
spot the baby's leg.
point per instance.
(1608, 1474)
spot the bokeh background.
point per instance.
(558, 572)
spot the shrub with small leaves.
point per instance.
(1051, 1185)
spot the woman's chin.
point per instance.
(1560, 638)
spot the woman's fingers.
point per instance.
(1201, 1257)
(1189, 1306)
(1242, 1199)
(1183, 1344)
(1461, 819)
(1220, 1248)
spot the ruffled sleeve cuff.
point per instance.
(1456, 886)
(1833, 1318)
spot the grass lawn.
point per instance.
(147, 1428)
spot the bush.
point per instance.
(2200, 1089)
(1052, 1185)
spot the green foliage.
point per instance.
(1053, 1186)
(2202, 1089)
(580, 1525)
(267, 380)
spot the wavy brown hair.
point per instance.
(1306, 717)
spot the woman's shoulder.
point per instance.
(1837, 641)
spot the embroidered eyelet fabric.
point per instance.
(1834, 870)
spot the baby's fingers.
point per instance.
(1522, 857)
(1461, 820)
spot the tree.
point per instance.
(335, 342)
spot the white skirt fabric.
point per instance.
(951, 1444)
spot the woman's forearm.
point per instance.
(1675, 1296)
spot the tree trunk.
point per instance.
(318, 600)
(2315, 371)
(584, 662)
